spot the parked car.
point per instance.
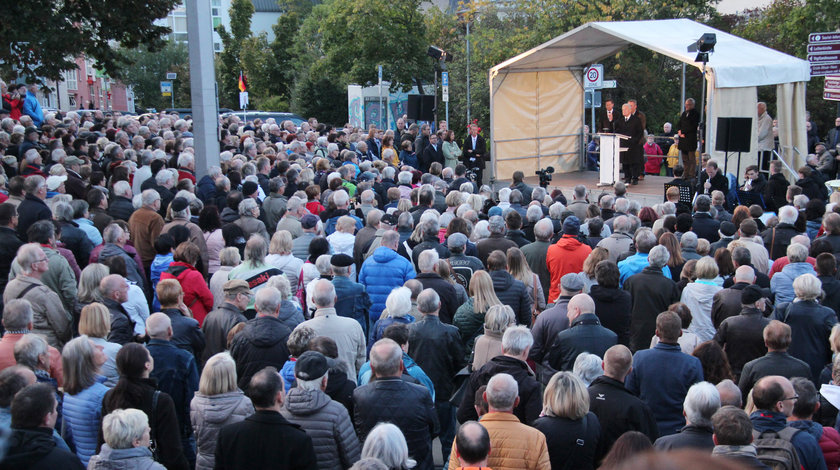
(263, 115)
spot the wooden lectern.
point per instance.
(610, 154)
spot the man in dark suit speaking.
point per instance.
(606, 122)
(475, 153)
(633, 158)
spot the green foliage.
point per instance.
(274, 103)
(42, 37)
(317, 95)
(229, 59)
(149, 69)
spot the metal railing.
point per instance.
(787, 167)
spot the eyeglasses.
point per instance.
(794, 398)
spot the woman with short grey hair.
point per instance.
(387, 443)
(489, 345)
(127, 439)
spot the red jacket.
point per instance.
(830, 446)
(565, 256)
(197, 295)
(185, 174)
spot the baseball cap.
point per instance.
(311, 365)
(54, 181)
(73, 160)
(309, 221)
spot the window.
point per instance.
(216, 3)
(214, 11)
(217, 47)
(216, 22)
(181, 37)
(180, 25)
(70, 77)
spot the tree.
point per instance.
(41, 38)
(229, 59)
(147, 69)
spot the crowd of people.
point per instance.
(320, 300)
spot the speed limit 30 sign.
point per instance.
(594, 76)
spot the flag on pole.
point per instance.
(243, 84)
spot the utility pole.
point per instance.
(203, 83)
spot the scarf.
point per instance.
(735, 451)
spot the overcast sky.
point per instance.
(733, 6)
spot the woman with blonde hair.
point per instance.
(518, 268)
(489, 345)
(83, 393)
(571, 430)
(588, 274)
(95, 322)
(469, 318)
(699, 295)
(675, 262)
(217, 403)
(280, 256)
(88, 291)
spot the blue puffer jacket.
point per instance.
(380, 274)
(82, 415)
(807, 447)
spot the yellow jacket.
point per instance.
(514, 446)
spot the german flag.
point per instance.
(243, 84)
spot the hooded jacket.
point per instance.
(612, 307)
(530, 394)
(807, 447)
(197, 295)
(35, 449)
(828, 438)
(327, 422)
(260, 344)
(135, 458)
(381, 273)
(565, 256)
(208, 414)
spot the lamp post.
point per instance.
(464, 13)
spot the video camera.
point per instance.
(545, 176)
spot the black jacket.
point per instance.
(810, 325)
(77, 241)
(761, 279)
(772, 363)
(585, 334)
(618, 411)
(612, 306)
(478, 156)
(651, 293)
(35, 449)
(406, 405)
(515, 294)
(121, 208)
(742, 338)
(689, 437)
(431, 155)
(706, 227)
(186, 333)
(775, 193)
(264, 440)
(122, 327)
(446, 291)
(719, 182)
(571, 443)
(831, 287)
(436, 347)
(216, 326)
(31, 210)
(530, 393)
(9, 243)
(518, 237)
(260, 344)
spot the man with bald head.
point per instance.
(730, 394)
(472, 445)
(585, 334)
(727, 302)
(176, 373)
(774, 398)
(777, 361)
(617, 409)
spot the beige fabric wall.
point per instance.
(790, 110)
(732, 102)
(536, 107)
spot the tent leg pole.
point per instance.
(682, 90)
(702, 124)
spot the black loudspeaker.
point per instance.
(421, 107)
(733, 134)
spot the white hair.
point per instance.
(149, 197)
(427, 260)
(398, 302)
(504, 195)
(405, 177)
(659, 256)
(185, 159)
(122, 188)
(701, 402)
(502, 390)
(788, 215)
(386, 443)
(341, 198)
(120, 428)
(516, 340)
(588, 367)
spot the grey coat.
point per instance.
(136, 458)
(251, 225)
(209, 414)
(328, 424)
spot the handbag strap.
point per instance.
(773, 243)
(152, 420)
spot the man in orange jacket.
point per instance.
(566, 256)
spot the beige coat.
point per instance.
(487, 346)
(49, 317)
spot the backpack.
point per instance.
(775, 449)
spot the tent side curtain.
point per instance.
(790, 107)
(725, 103)
(536, 122)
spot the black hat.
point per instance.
(751, 294)
(249, 188)
(312, 365)
(30, 130)
(571, 225)
(341, 260)
(179, 204)
(389, 219)
(728, 229)
(309, 221)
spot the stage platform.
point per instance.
(648, 192)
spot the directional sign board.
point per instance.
(594, 76)
(829, 95)
(820, 69)
(823, 58)
(824, 37)
(171, 76)
(166, 88)
(823, 48)
(832, 83)
(609, 84)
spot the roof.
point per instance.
(736, 62)
(266, 6)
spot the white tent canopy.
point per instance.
(536, 98)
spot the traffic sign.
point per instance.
(444, 78)
(379, 74)
(823, 48)
(446, 96)
(171, 76)
(823, 58)
(824, 37)
(610, 84)
(830, 95)
(594, 76)
(825, 69)
(166, 88)
(243, 100)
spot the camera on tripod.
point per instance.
(545, 176)
(472, 173)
